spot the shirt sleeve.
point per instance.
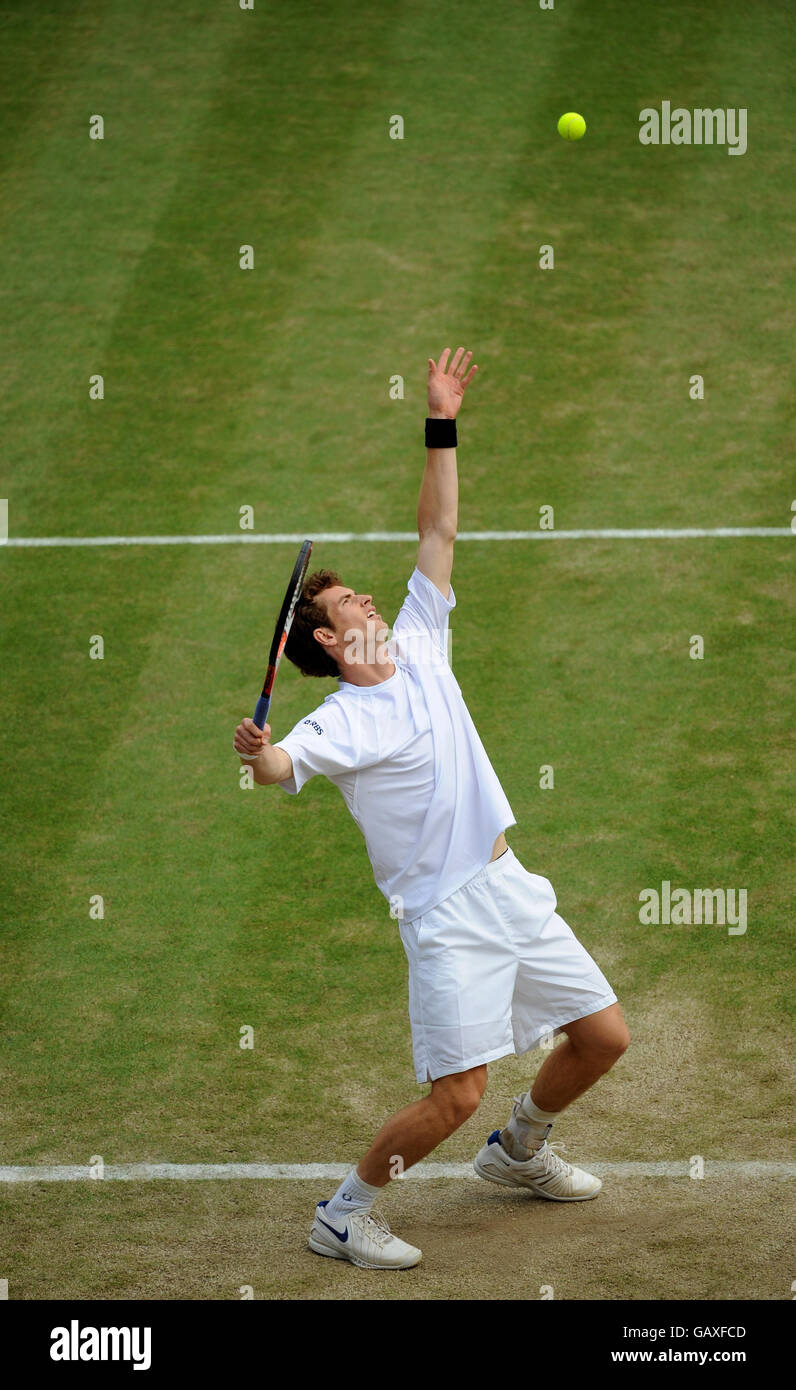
(421, 629)
(328, 741)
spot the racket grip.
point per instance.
(261, 712)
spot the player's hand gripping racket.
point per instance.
(281, 631)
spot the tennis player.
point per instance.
(493, 968)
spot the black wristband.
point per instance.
(440, 434)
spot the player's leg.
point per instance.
(419, 1128)
(462, 970)
(345, 1228)
(591, 1047)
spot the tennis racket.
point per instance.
(281, 631)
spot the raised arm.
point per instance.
(438, 503)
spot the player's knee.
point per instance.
(460, 1096)
(616, 1043)
(602, 1040)
(458, 1110)
(467, 1102)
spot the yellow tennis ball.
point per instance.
(572, 126)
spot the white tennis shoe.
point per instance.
(366, 1240)
(543, 1173)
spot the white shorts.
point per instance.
(493, 969)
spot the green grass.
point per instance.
(226, 908)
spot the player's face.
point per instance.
(350, 614)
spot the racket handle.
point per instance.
(261, 712)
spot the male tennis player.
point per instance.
(492, 967)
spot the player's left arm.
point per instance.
(438, 504)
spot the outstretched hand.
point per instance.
(446, 388)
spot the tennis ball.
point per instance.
(571, 126)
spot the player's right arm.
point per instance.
(269, 765)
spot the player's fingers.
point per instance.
(431, 366)
(443, 361)
(456, 360)
(249, 735)
(247, 751)
(470, 375)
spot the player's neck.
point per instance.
(367, 672)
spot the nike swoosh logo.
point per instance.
(333, 1231)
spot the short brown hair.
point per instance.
(301, 647)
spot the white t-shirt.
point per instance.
(407, 758)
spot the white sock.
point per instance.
(527, 1129)
(352, 1195)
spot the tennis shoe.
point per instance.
(543, 1173)
(365, 1239)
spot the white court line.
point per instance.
(291, 1172)
(334, 537)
